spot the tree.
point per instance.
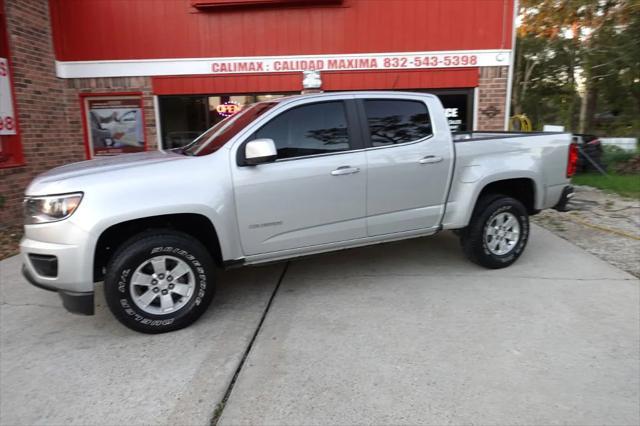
(578, 52)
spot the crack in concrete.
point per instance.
(28, 304)
(315, 278)
(217, 413)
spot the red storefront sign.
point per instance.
(7, 116)
(10, 143)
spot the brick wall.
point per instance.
(43, 124)
(492, 92)
(49, 107)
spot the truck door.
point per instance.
(408, 165)
(314, 193)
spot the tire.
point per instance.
(140, 290)
(505, 246)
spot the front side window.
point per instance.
(218, 135)
(397, 121)
(184, 117)
(308, 130)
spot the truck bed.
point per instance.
(539, 157)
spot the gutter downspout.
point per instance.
(507, 108)
(156, 115)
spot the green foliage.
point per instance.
(567, 49)
(551, 97)
(614, 61)
(625, 185)
(613, 155)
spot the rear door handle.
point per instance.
(430, 159)
(345, 170)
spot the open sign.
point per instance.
(228, 108)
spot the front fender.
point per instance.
(204, 188)
(224, 225)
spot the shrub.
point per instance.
(631, 166)
(614, 155)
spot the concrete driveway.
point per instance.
(58, 368)
(402, 333)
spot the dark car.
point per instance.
(589, 153)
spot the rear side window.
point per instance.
(308, 130)
(396, 121)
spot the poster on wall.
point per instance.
(115, 125)
(7, 119)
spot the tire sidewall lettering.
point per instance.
(124, 280)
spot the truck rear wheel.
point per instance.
(160, 281)
(497, 233)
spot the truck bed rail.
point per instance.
(494, 134)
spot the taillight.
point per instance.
(572, 162)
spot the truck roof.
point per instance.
(372, 93)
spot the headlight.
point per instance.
(50, 208)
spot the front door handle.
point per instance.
(430, 159)
(345, 170)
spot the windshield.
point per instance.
(214, 138)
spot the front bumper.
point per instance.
(77, 303)
(72, 251)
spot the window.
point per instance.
(184, 118)
(458, 108)
(393, 122)
(308, 130)
(214, 138)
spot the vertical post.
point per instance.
(475, 109)
(156, 115)
(507, 108)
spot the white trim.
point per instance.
(275, 64)
(156, 115)
(475, 108)
(507, 107)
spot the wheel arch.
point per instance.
(196, 225)
(522, 189)
(465, 199)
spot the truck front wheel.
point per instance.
(497, 233)
(159, 281)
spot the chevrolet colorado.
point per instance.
(280, 179)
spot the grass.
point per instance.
(625, 185)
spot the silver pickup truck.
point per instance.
(280, 179)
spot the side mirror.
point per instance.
(260, 151)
